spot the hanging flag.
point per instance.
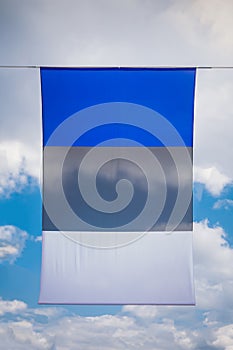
(117, 185)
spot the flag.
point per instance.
(117, 185)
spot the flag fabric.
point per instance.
(117, 185)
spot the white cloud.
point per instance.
(14, 306)
(21, 335)
(143, 311)
(213, 140)
(49, 312)
(115, 33)
(223, 203)
(99, 332)
(216, 16)
(37, 239)
(18, 168)
(210, 246)
(12, 242)
(212, 178)
(20, 133)
(213, 256)
(224, 337)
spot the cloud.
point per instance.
(115, 33)
(99, 332)
(224, 337)
(17, 168)
(213, 256)
(141, 311)
(20, 133)
(14, 306)
(37, 239)
(225, 204)
(12, 242)
(212, 178)
(48, 312)
(213, 129)
(23, 334)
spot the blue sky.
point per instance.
(105, 33)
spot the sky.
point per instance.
(115, 33)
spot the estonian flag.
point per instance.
(117, 185)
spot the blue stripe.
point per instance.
(169, 92)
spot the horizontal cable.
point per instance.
(111, 66)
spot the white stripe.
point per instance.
(155, 269)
